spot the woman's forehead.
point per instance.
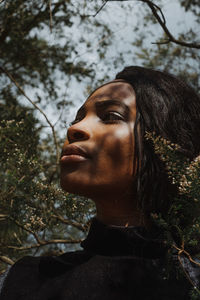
(116, 89)
(118, 93)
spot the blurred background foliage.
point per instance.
(52, 54)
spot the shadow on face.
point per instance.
(98, 154)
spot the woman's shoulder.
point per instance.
(23, 267)
(24, 263)
(30, 270)
(42, 264)
(40, 277)
(16, 270)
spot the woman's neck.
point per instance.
(122, 220)
(119, 212)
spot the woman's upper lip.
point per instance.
(75, 150)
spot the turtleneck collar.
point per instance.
(107, 241)
(116, 241)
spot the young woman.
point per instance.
(107, 158)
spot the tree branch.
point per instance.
(154, 8)
(6, 260)
(3, 217)
(180, 252)
(41, 243)
(44, 243)
(72, 223)
(100, 8)
(28, 230)
(38, 108)
(98, 11)
(161, 20)
(50, 16)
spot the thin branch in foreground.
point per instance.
(38, 108)
(44, 243)
(28, 230)
(98, 11)
(100, 8)
(183, 251)
(72, 223)
(6, 260)
(50, 17)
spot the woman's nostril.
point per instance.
(78, 135)
(75, 134)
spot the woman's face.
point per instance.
(98, 154)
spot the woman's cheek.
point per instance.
(118, 149)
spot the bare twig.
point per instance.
(28, 230)
(38, 108)
(161, 20)
(6, 260)
(72, 223)
(154, 8)
(183, 251)
(100, 8)
(50, 17)
(44, 243)
(185, 272)
(180, 252)
(3, 217)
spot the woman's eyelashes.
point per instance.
(112, 117)
(105, 116)
(77, 119)
(74, 122)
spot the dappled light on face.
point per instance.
(104, 129)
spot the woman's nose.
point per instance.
(75, 134)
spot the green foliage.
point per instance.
(194, 294)
(153, 49)
(33, 213)
(182, 223)
(184, 174)
(36, 217)
(27, 52)
(44, 53)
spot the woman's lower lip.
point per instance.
(72, 158)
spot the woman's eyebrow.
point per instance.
(103, 104)
(106, 103)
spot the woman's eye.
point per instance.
(112, 116)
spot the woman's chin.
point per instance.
(92, 191)
(74, 188)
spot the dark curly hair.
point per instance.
(169, 107)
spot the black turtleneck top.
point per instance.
(116, 263)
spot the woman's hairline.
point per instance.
(113, 81)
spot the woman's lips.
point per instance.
(73, 154)
(72, 158)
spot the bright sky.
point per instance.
(121, 21)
